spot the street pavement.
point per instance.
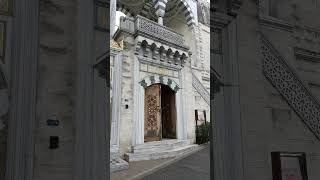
(193, 167)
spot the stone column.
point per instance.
(113, 9)
(138, 115)
(20, 152)
(116, 102)
(226, 148)
(160, 7)
(195, 46)
(91, 159)
(182, 132)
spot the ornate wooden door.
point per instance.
(152, 116)
(168, 113)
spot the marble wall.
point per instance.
(268, 122)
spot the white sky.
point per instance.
(118, 15)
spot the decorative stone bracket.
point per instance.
(159, 52)
(283, 77)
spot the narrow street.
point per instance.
(193, 167)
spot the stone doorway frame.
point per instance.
(161, 114)
(181, 124)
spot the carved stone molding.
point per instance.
(307, 34)
(156, 52)
(275, 23)
(282, 76)
(307, 55)
(153, 30)
(230, 7)
(154, 79)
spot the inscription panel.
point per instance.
(158, 70)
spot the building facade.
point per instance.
(160, 78)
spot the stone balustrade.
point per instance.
(153, 30)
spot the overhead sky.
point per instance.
(119, 14)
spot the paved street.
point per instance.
(193, 167)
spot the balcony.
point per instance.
(141, 26)
(155, 31)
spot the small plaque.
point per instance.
(5, 6)
(54, 142)
(52, 122)
(289, 166)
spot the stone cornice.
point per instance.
(230, 7)
(219, 19)
(307, 55)
(275, 23)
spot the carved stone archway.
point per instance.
(139, 114)
(150, 80)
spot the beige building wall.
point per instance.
(268, 122)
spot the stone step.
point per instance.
(118, 164)
(159, 154)
(155, 143)
(159, 146)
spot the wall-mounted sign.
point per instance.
(158, 70)
(102, 16)
(200, 117)
(5, 7)
(53, 121)
(54, 142)
(289, 166)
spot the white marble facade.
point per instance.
(141, 59)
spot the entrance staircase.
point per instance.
(159, 150)
(204, 93)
